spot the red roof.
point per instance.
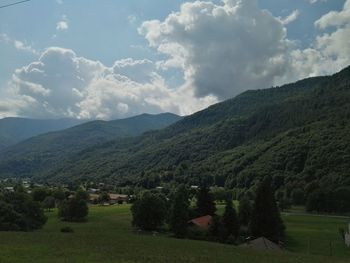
(204, 221)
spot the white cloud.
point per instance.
(63, 24)
(330, 51)
(316, 1)
(223, 49)
(17, 44)
(335, 18)
(61, 84)
(290, 18)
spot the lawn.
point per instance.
(108, 237)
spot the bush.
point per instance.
(67, 229)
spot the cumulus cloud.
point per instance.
(335, 18)
(330, 51)
(223, 49)
(62, 84)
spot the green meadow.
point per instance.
(108, 237)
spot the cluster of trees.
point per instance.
(19, 212)
(75, 208)
(259, 218)
(325, 200)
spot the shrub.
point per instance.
(67, 229)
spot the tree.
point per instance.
(39, 194)
(179, 213)
(266, 219)
(298, 196)
(317, 201)
(245, 211)
(81, 194)
(10, 220)
(19, 212)
(229, 222)
(59, 194)
(49, 203)
(149, 211)
(73, 210)
(104, 197)
(205, 202)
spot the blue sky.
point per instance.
(110, 30)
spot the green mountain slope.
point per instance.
(14, 130)
(297, 133)
(51, 149)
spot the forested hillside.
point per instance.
(49, 150)
(298, 133)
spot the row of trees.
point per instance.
(71, 207)
(259, 218)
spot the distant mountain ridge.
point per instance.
(14, 130)
(51, 148)
(299, 134)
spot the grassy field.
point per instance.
(108, 237)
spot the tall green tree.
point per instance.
(179, 213)
(205, 202)
(73, 210)
(266, 219)
(149, 211)
(244, 211)
(229, 221)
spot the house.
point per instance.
(118, 198)
(10, 189)
(93, 198)
(262, 244)
(347, 237)
(201, 222)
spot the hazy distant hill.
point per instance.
(14, 130)
(298, 133)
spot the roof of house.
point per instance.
(262, 243)
(203, 221)
(118, 196)
(93, 197)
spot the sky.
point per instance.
(113, 59)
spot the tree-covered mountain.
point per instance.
(50, 149)
(299, 134)
(14, 130)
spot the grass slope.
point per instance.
(108, 237)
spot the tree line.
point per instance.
(153, 211)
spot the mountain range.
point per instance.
(14, 130)
(299, 134)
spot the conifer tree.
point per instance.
(179, 213)
(229, 221)
(245, 211)
(205, 202)
(266, 219)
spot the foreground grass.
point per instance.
(108, 237)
